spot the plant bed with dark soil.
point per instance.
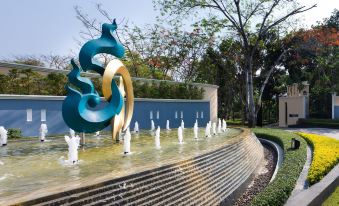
(262, 178)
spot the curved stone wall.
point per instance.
(213, 178)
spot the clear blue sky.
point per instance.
(38, 27)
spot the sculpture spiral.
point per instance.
(79, 108)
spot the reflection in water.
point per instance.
(27, 165)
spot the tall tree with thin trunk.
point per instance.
(249, 20)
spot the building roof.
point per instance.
(5, 67)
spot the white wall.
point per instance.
(296, 106)
(211, 94)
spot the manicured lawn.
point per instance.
(333, 199)
(325, 155)
(278, 191)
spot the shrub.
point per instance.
(278, 191)
(325, 123)
(325, 155)
(14, 133)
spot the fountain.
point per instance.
(168, 125)
(136, 127)
(152, 125)
(219, 126)
(180, 135)
(224, 125)
(182, 124)
(43, 131)
(157, 138)
(97, 133)
(72, 132)
(73, 145)
(3, 136)
(208, 130)
(127, 142)
(214, 125)
(195, 130)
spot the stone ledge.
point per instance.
(318, 193)
(280, 155)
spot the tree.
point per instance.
(316, 52)
(241, 17)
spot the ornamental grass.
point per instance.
(325, 155)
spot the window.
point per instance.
(158, 114)
(43, 115)
(151, 114)
(29, 115)
(176, 114)
(181, 115)
(202, 115)
(197, 115)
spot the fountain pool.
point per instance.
(26, 165)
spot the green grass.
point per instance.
(278, 191)
(326, 123)
(333, 199)
(235, 122)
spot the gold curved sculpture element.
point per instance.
(123, 119)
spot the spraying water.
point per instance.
(3, 136)
(208, 130)
(43, 131)
(73, 145)
(136, 127)
(127, 142)
(157, 138)
(152, 125)
(224, 125)
(182, 124)
(180, 135)
(214, 125)
(195, 130)
(219, 126)
(97, 134)
(168, 125)
(72, 133)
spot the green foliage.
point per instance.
(324, 123)
(29, 82)
(165, 90)
(278, 191)
(333, 199)
(325, 155)
(14, 133)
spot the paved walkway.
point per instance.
(334, 133)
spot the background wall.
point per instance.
(13, 113)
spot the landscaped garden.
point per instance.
(169, 102)
(278, 191)
(325, 155)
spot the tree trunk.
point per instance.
(252, 119)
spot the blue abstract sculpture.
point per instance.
(78, 109)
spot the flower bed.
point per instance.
(325, 155)
(278, 191)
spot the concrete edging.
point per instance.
(319, 192)
(280, 155)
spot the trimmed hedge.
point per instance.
(325, 155)
(14, 133)
(278, 191)
(164, 90)
(325, 123)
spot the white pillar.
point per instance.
(333, 102)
